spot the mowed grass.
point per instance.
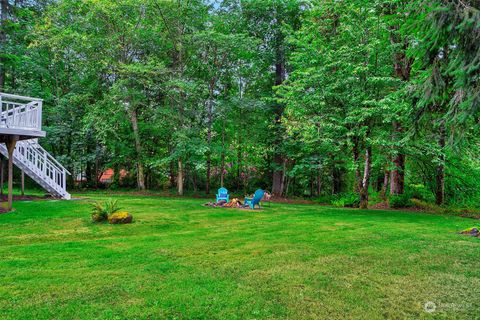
(180, 260)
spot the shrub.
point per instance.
(326, 199)
(100, 212)
(375, 197)
(349, 200)
(419, 191)
(400, 201)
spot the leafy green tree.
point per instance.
(342, 75)
(447, 78)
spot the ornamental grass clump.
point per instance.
(101, 211)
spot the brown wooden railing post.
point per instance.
(11, 147)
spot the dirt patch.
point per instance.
(293, 201)
(25, 198)
(4, 199)
(385, 206)
(380, 206)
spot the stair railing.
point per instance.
(37, 159)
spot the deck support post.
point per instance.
(2, 174)
(23, 183)
(12, 141)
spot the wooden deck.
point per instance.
(20, 127)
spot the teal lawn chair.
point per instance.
(257, 197)
(222, 194)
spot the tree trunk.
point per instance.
(402, 65)
(379, 182)
(2, 174)
(116, 174)
(312, 185)
(172, 174)
(239, 162)
(22, 190)
(138, 149)
(319, 180)
(335, 175)
(222, 166)
(333, 180)
(284, 175)
(440, 174)
(209, 169)
(397, 175)
(356, 159)
(397, 181)
(277, 188)
(209, 143)
(366, 179)
(180, 177)
(287, 186)
(383, 191)
(280, 75)
(176, 36)
(194, 180)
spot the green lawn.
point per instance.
(180, 260)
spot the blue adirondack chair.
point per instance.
(257, 197)
(222, 194)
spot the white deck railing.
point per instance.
(19, 112)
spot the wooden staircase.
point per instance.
(21, 117)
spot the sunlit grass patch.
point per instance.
(182, 260)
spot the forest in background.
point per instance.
(325, 99)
